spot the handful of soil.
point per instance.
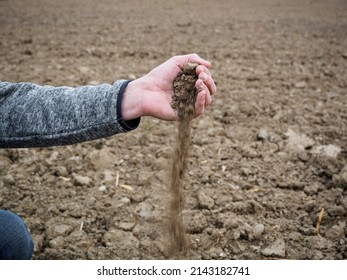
(183, 100)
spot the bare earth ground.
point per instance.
(260, 167)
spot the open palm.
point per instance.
(155, 89)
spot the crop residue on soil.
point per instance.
(183, 101)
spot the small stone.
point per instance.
(127, 226)
(298, 142)
(61, 171)
(245, 171)
(118, 237)
(56, 243)
(108, 176)
(137, 197)
(80, 180)
(84, 70)
(215, 252)
(9, 180)
(303, 156)
(277, 249)
(258, 230)
(108, 244)
(62, 229)
(102, 188)
(262, 134)
(301, 84)
(144, 210)
(204, 200)
(327, 150)
(125, 200)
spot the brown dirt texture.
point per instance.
(183, 101)
(267, 171)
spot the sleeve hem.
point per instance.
(127, 125)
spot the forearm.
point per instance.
(41, 116)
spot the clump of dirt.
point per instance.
(184, 97)
(183, 100)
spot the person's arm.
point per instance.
(41, 116)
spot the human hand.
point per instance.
(151, 94)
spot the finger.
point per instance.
(209, 82)
(202, 87)
(208, 99)
(182, 60)
(200, 103)
(202, 68)
(194, 58)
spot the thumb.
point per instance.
(182, 60)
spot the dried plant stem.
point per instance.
(319, 220)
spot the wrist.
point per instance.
(131, 107)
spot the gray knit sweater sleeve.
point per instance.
(42, 116)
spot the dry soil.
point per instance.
(267, 157)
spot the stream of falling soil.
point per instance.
(183, 101)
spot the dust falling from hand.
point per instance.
(183, 100)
